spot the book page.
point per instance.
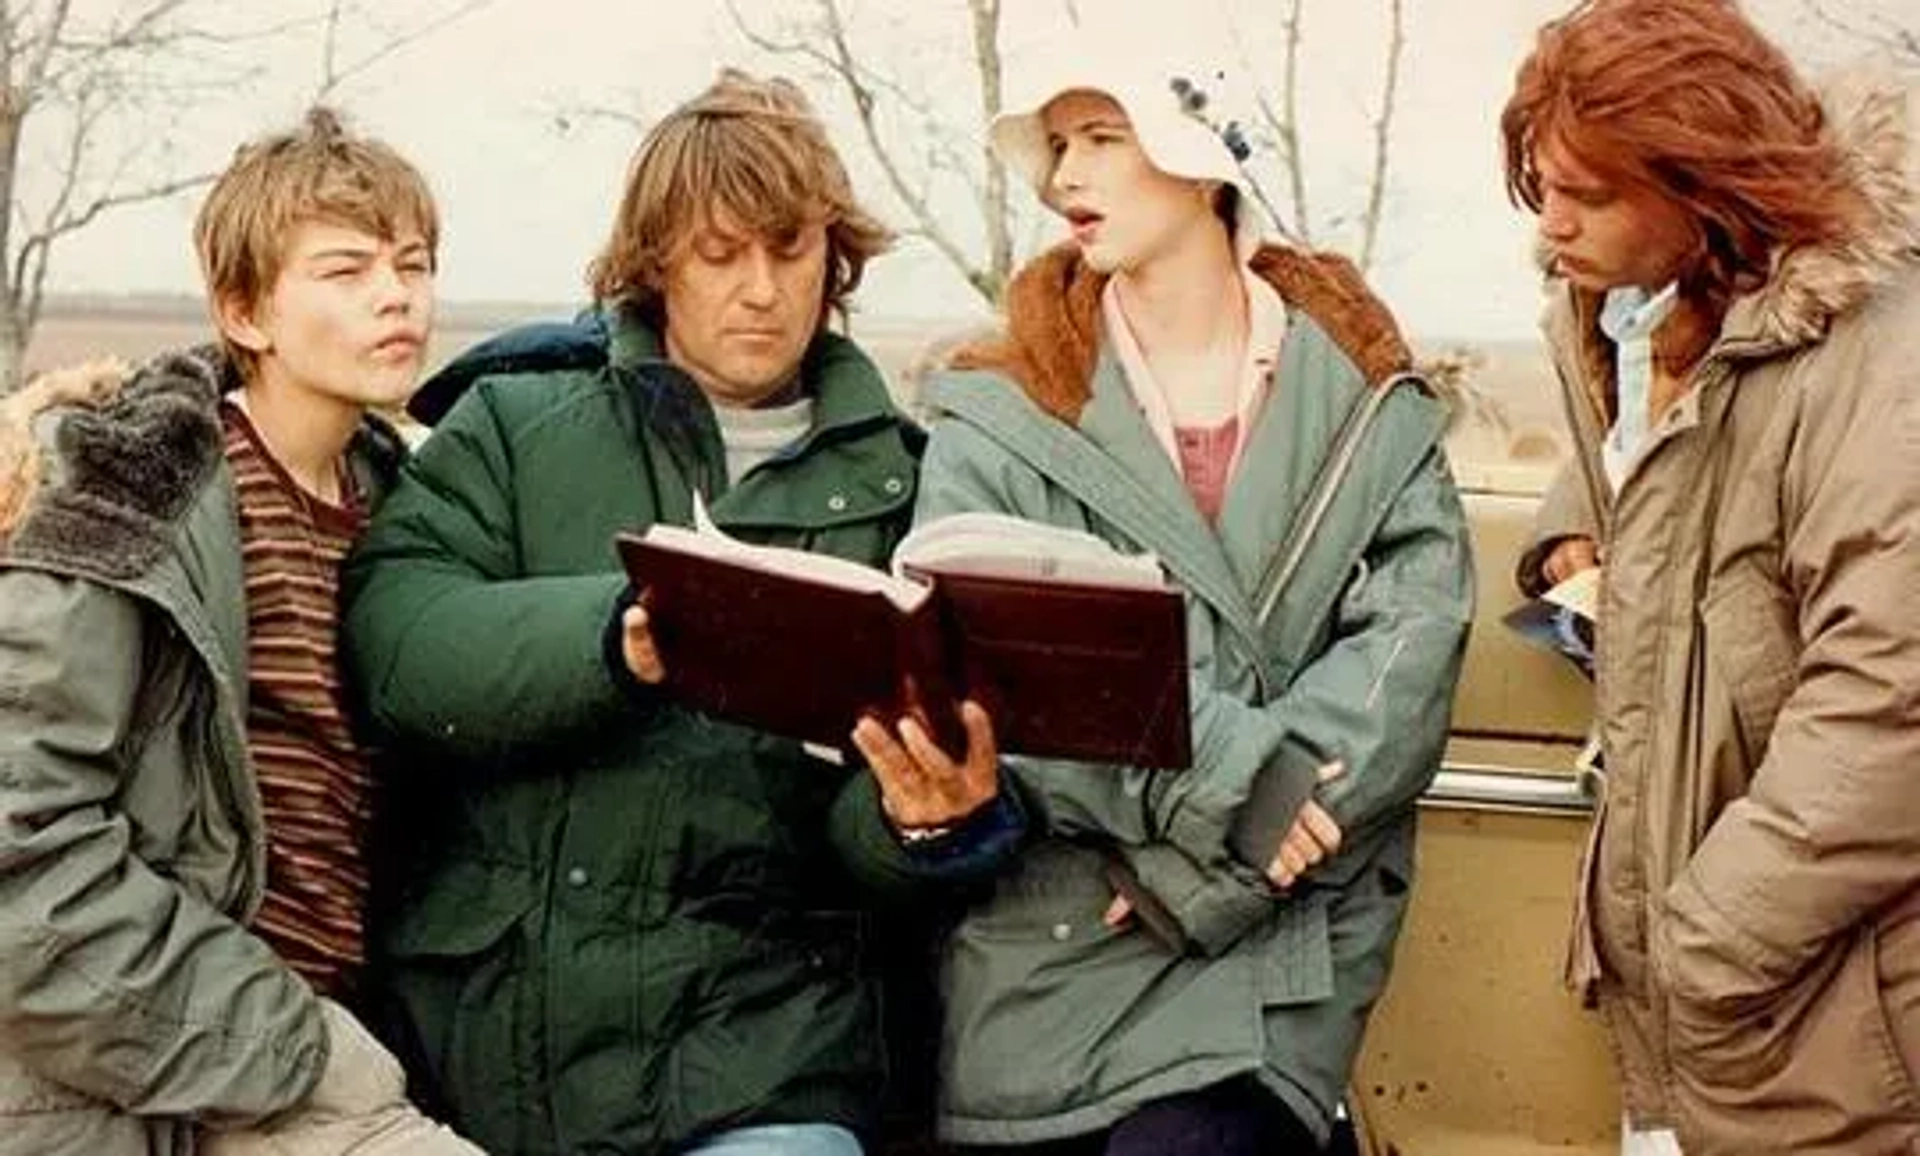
(1580, 593)
(707, 540)
(1001, 545)
(1561, 620)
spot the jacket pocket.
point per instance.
(1753, 645)
(1048, 1010)
(1816, 1068)
(454, 966)
(1296, 963)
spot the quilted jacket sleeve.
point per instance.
(441, 630)
(114, 980)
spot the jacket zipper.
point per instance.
(1325, 488)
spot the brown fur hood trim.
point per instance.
(1053, 322)
(125, 459)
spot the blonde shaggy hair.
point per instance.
(751, 149)
(317, 171)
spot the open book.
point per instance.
(1077, 651)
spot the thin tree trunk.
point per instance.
(1382, 130)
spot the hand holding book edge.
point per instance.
(921, 786)
(637, 644)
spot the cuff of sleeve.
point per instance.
(1281, 788)
(978, 841)
(1213, 906)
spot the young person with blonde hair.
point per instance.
(1734, 310)
(1185, 962)
(183, 806)
(619, 924)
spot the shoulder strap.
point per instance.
(537, 348)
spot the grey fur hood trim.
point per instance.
(116, 474)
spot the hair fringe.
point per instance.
(751, 148)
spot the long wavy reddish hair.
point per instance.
(1686, 99)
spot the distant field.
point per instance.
(1510, 436)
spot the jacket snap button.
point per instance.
(837, 503)
(1062, 932)
(577, 877)
(893, 485)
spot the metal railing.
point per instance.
(1482, 787)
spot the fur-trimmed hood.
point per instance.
(1875, 118)
(98, 467)
(1051, 342)
(113, 469)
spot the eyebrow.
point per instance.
(1089, 124)
(1567, 184)
(342, 252)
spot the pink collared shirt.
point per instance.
(1206, 456)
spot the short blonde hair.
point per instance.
(754, 150)
(318, 171)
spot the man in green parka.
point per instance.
(617, 925)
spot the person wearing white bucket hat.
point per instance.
(1183, 961)
(1166, 113)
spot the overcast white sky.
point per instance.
(526, 205)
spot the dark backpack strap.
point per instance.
(541, 347)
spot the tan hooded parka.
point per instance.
(1750, 916)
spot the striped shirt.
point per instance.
(315, 787)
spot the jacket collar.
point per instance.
(845, 384)
(113, 473)
(850, 396)
(1052, 340)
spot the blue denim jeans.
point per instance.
(781, 1140)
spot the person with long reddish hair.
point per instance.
(1734, 314)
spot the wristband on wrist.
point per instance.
(913, 835)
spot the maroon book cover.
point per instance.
(1067, 668)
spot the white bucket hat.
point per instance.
(1178, 139)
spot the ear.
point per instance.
(235, 317)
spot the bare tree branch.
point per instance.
(993, 197)
(1296, 163)
(834, 53)
(334, 75)
(633, 117)
(1878, 30)
(1276, 129)
(1382, 132)
(772, 47)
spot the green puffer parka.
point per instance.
(615, 925)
